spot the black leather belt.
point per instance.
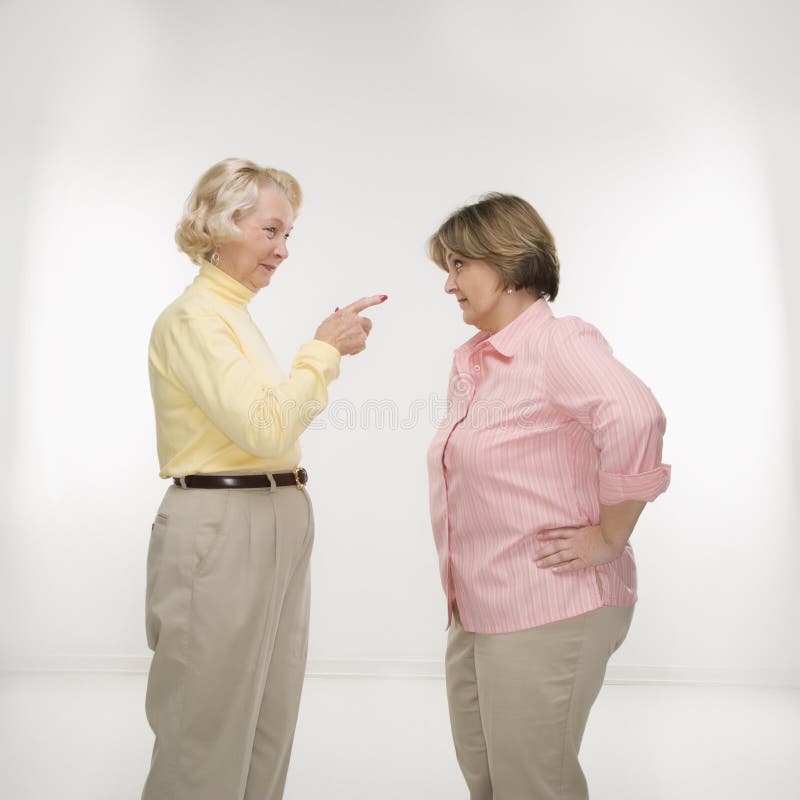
(298, 478)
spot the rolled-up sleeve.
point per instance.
(626, 422)
(205, 357)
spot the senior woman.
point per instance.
(227, 601)
(549, 452)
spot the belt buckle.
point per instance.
(300, 484)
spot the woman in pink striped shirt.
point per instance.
(549, 452)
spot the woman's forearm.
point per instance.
(618, 521)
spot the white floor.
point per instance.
(65, 736)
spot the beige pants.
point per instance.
(519, 703)
(227, 618)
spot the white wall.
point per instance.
(656, 139)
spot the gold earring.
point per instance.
(215, 258)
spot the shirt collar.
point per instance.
(213, 279)
(509, 339)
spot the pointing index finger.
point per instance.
(365, 302)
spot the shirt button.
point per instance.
(477, 368)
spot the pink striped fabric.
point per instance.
(543, 426)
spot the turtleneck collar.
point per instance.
(213, 279)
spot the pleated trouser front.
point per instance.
(227, 610)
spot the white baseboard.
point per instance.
(617, 674)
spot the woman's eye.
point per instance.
(285, 236)
(457, 263)
(271, 231)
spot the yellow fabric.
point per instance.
(222, 402)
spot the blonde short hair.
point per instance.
(225, 192)
(507, 233)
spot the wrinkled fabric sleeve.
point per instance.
(205, 357)
(626, 422)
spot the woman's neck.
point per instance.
(508, 309)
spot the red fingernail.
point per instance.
(384, 297)
(335, 309)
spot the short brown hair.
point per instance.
(506, 232)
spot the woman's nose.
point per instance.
(281, 250)
(450, 284)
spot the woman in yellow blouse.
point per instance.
(228, 562)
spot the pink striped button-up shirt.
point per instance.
(543, 426)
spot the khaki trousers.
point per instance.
(519, 703)
(227, 618)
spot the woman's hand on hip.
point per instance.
(571, 549)
(345, 329)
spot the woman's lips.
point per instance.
(268, 267)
